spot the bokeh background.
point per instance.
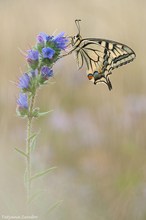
(95, 138)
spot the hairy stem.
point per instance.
(28, 147)
(28, 161)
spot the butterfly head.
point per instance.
(77, 38)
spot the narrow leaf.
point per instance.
(54, 206)
(33, 144)
(32, 140)
(33, 136)
(37, 175)
(44, 113)
(35, 196)
(21, 152)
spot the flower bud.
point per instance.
(22, 105)
(33, 58)
(24, 82)
(46, 73)
(60, 41)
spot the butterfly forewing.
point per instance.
(79, 58)
(95, 55)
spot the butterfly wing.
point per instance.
(101, 57)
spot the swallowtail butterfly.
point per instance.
(100, 56)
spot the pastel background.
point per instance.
(96, 138)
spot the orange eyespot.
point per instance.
(90, 76)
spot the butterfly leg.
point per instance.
(64, 55)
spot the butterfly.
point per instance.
(100, 56)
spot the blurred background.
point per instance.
(95, 138)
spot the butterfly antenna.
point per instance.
(77, 22)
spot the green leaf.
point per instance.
(37, 175)
(33, 136)
(32, 139)
(22, 112)
(33, 144)
(54, 206)
(35, 112)
(34, 196)
(44, 113)
(21, 152)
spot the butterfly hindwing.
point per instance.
(121, 55)
(119, 52)
(102, 56)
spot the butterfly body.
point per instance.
(101, 56)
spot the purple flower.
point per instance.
(33, 55)
(60, 41)
(43, 37)
(22, 101)
(46, 72)
(48, 52)
(24, 81)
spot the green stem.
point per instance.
(28, 160)
(28, 148)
